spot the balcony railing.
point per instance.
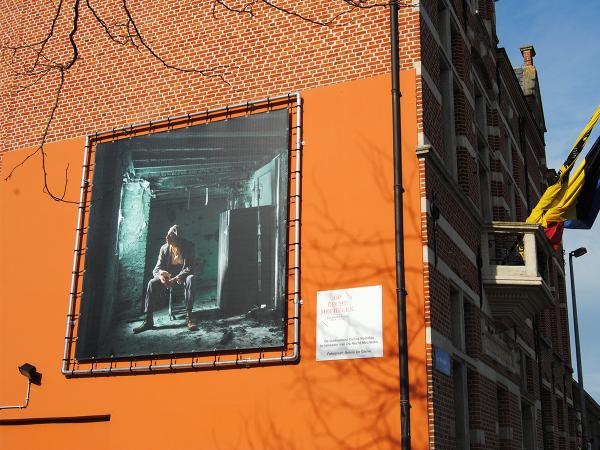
(515, 259)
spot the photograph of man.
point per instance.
(175, 265)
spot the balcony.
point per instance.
(515, 258)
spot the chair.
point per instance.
(176, 295)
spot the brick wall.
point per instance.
(275, 53)
(573, 422)
(450, 253)
(564, 319)
(510, 433)
(457, 216)
(483, 411)
(467, 174)
(537, 180)
(472, 330)
(477, 60)
(443, 435)
(432, 117)
(112, 85)
(550, 420)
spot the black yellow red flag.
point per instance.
(551, 206)
(583, 198)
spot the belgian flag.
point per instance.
(582, 212)
(572, 202)
(551, 206)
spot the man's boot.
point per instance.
(191, 325)
(147, 324)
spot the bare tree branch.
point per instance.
(293, 13)
(42, 65)
(105, 27)
(62, 68)
(217, 72)
(38, 47)
(246, 9)
(40, 148)
(353, 5)
(39, 78)
(72, 34)
(126, 34)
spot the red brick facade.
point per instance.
(112, 85)
(501, 398)
(494, 163)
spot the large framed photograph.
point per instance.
(186, 249)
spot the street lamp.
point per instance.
(577, 253)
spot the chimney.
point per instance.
(528, 53)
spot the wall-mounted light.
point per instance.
(29, 371)
(33, 376)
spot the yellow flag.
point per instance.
(555, 193)
(565, 208)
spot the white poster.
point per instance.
(349, 323)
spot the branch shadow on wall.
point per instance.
(350, 404)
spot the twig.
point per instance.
(217, 72)
(127, 34)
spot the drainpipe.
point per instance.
(399, 230)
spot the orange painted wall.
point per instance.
(347, 241)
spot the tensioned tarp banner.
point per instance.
(187, 241)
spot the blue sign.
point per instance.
(442, 361)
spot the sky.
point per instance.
(566, 40)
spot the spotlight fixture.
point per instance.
(33, 376)
(578, 252)
(29, 371)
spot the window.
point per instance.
(447, 91)
(448, 120)
(484, 191)
(483, 155)
(445, 29)
(457, 318)
(524, 365)
(511, 188)
(480, 112)
(528, 424)
(461, 408)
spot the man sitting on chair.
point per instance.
(175, 265)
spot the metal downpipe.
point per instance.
(399, 230)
